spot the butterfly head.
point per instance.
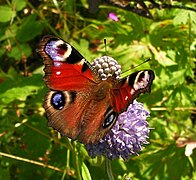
(106, 67)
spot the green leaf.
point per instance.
(29, 29)
(183, 16)
(165, 36)
(85, 172)
(34, 143)
(6, 13)
(177, 78)
(162, 58)
(10, 32)
(85, 48)
(20, 51)
(2, 51)
(19, 4)
(19, 88)
(19, 93)
(4, 173)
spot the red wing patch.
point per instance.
(129, 88)
(65, 68)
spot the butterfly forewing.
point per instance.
(130, 88)
(65, 68)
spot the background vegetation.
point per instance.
(161, 30)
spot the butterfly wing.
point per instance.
(69, 76)
(78, 104)
(73, 104)
(129, 88)
(65, 68)
(117, 101)
(78, 116)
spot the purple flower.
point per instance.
(130, 131)
(127, 135)
(113, 16)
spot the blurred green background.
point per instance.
(161, 30)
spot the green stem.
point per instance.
(109, 169)
(76, 160)
(67, 165)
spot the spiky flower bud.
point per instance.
(107, 66)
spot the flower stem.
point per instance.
(109, 169)
(76, 160)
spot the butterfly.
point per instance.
(79, 104)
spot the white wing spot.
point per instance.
(143, 83)
(68, 52)
(58, 72)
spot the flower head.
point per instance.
(127, 135)
(106, 66)
(113, 16)
(130, 130)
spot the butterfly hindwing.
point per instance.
(57, 104)
(77, 116)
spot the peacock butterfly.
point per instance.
(80, 104)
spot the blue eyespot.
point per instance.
(58, 100)
(110, 118)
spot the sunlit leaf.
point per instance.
(19, 4)
(6, 13)
(183, 16)
(85, 172)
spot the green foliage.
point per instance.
(29, 149)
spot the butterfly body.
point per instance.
(80, 104)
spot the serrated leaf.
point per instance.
(182, 95)
(166, 36)
(183, 16)
(6, 13)
(177, 78)
(162, 58)
(85, 172)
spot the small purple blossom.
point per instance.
(127, 135)
(113, 16)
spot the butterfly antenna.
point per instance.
(105, 46)
(137, 65)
